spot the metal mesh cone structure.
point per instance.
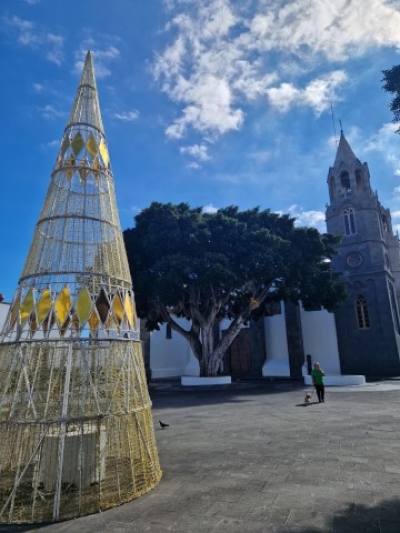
(75, 415)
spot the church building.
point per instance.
(361, 338)
(367, 323)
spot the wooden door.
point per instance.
(240, 352)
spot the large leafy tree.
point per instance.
(229, 264)
(391, 79)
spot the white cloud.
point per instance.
(50, 147)
(198, 151)
(127, 116)
(111, 52)
(30, 35)
(134, 209)
(209, 209)
(38, 87)
(193, 166)
(51, 144)
(317, 94)
(209, 107)
(338, 30)
(315, 219)
(387, 143)
(225, 54)
(50, 111)
(56, 53)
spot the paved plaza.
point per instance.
(250, 457)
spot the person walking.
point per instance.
(317, 376)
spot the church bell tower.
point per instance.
(368, 323)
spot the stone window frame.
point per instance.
(362, 313)
(349, 220)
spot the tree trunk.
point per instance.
(207, 343)
(201, 340)
(223, 345)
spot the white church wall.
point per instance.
(277, 361)
(169, 357)
(320, 339)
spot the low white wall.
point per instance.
(277, 361)
(320, 339)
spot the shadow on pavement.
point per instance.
(174, 395)
(381, 518)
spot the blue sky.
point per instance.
(210, 102)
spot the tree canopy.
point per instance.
(229, 264)
(391, 79)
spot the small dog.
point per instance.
(307, 398)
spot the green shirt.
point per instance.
(317, 376)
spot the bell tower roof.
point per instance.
(344, 152)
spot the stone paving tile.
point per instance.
(232, 525)
(311, 519)
(258, 500)
(293, 501)
(324, 505)
(228, 510)
(193, 522)
(269, 515)
(225, 495)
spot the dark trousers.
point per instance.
(320, 392)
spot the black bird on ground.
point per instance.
(163, 426)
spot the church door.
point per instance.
(239, 353)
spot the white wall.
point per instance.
(173, 357)
(277, 361)
(320, 339)
(169, 357)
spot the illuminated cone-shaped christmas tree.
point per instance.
(75, 414)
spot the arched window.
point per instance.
(384, 223)
(395, 309)
(345, 181)
(358, 179)
(362, 313)
(349, 220)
